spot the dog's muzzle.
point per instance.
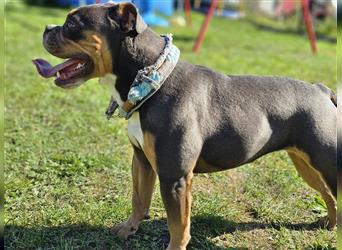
(52, 39)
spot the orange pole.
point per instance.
(187, 7)
(204, 27)
(309, 25)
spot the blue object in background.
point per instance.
(165, 7)
(63, 2)
(147, 8)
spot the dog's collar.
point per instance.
(147, 81)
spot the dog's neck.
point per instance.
(136, 53)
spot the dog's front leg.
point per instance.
(176, 196)
(143, 183)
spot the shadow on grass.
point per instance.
(221, 225)
(152, 234)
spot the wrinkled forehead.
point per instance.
(89, 14)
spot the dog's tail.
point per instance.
(332, 94)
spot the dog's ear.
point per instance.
(127, 16)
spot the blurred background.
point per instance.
(67, 169)
(279, 15)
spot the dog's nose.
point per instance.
(50, 27)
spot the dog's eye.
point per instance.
(70, 25)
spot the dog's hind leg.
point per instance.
(315, 179)
(143, 184)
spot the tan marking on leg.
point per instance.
(149, 149)
(143, 184)
(315, 180)
(176, 197)
(177, 200)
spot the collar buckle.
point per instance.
(112, 106)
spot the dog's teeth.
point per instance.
(58, 74)
(64, 76)
(80, 65)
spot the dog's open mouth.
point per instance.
(67, 73)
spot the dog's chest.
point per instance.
(135, 133)
(134, 127)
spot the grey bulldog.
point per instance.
(193, 120)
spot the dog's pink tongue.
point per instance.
(45, 69)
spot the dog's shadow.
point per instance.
(152, 234)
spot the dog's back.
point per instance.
(240, 118)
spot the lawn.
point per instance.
(67, 172)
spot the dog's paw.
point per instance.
(125, 229)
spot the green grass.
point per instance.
(67, 172)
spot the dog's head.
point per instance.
(90, 40)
